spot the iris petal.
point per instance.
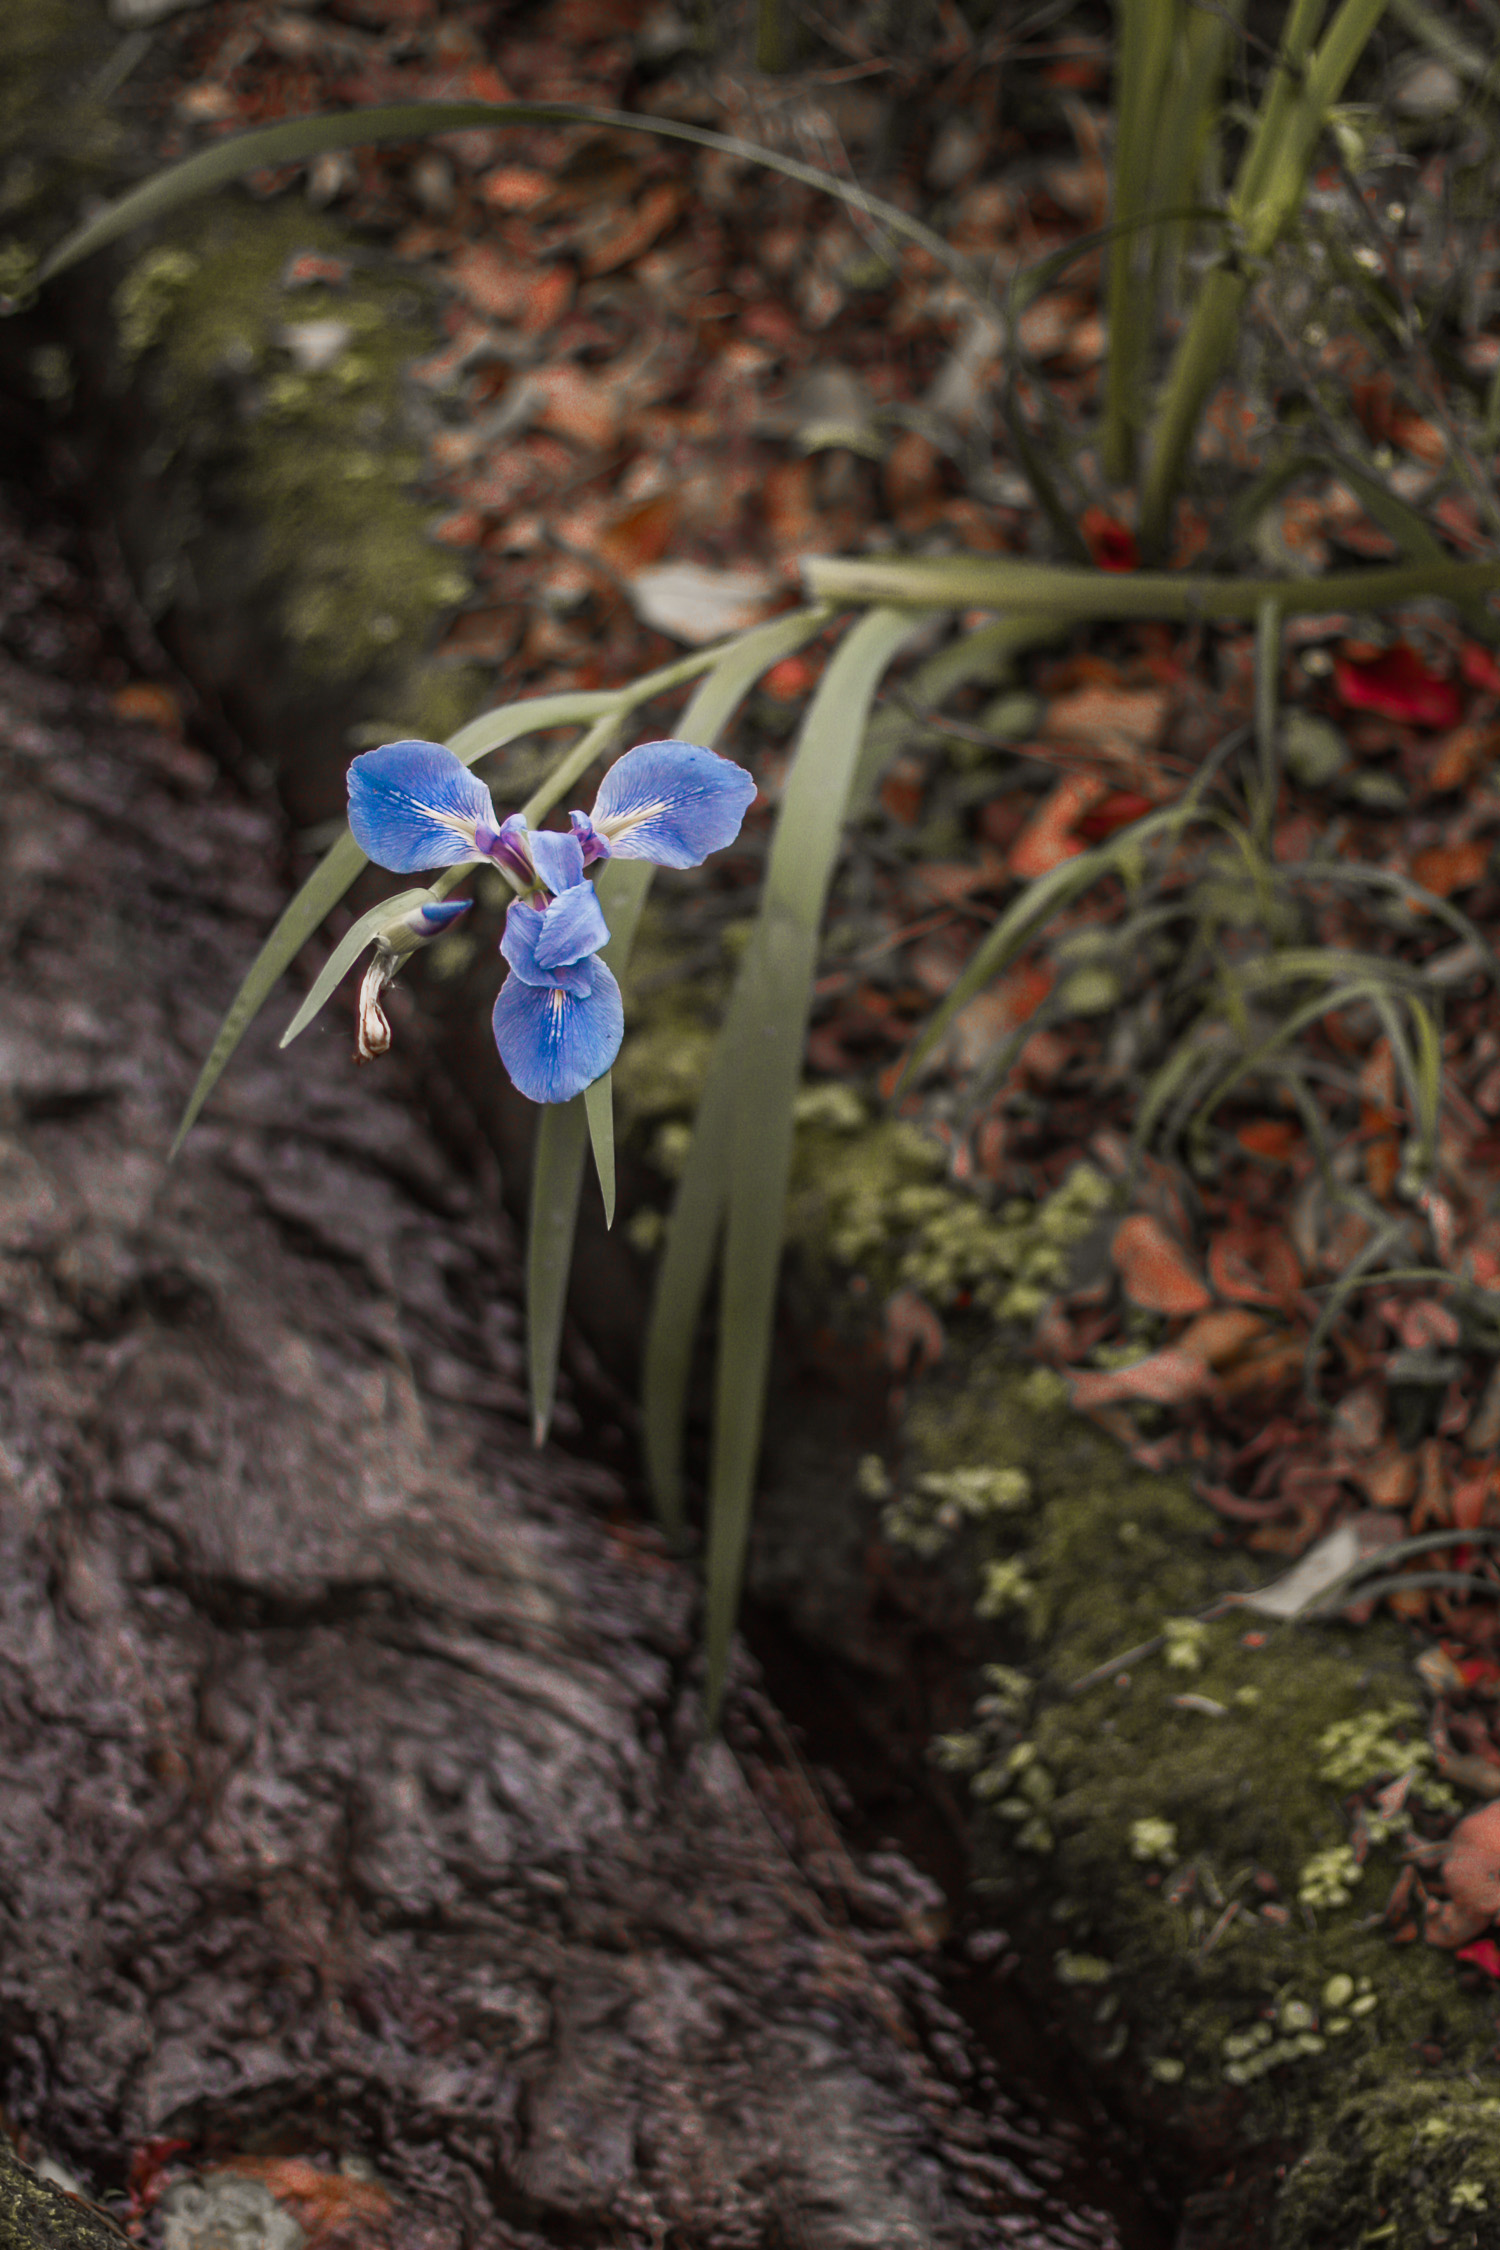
(558, 860)
(414, 805)
(593, 845)
(672, 802)
(524, 926)
(554, 1043)
(572, 926)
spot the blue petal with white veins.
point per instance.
(414, 805)
(554, 1043)
(572, 926)
(558, 860)
(524, 926)
(671, 802)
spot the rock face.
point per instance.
(355, 1795)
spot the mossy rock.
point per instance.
(299, 480)
(267, 498)
(1175, 1835)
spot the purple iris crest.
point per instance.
(559, 1019)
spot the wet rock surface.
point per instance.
(355, 1796)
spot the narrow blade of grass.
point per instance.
(781, 966)
(1006, 583)
(562, 1130)
(556, 1182)
(698, 1207)
(1024, 916)
(409, 121)
(1267, 695)
(599, 1104)
(317, 898)
(344, 955)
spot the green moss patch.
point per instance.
(315, 453)
(1177, 1838)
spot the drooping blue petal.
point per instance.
(436, 915)
(409, 932)
(558, 860)
(572, 926)
(414, 805)
(672, 802)
(523, 934)
(554, 1043)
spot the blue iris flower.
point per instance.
(559, 1019)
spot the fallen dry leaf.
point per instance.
(1447, 868)
(1471, 1870)
(697, 605)
(1397, 685)
(1048, 838)
(1219, 1337)
(1155, 1271)
(1165, 1378)
(150, 703)
(578, 405)
(1115, 722)
(322, 2202)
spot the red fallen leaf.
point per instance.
(1165, 1378)
(1468, 1500)
(1221, 1336)
(901, 791)
(515, 187)
(1447, 868)
(1461, 754)
(1419, 437)
(1076, 73)
(793, 677)
(1478, 1671)
(637, 229)
(1373, 402)
(641, 534)
(1272, 1137)
(1048, 837)
(1484, 1953)
(1254, 1266)
(149, 2168)
(149, 702)
(1397, 685)
(912, 478)
(1478, 666)
(1110, 542)
(1118, 810)
(1471, 1870)
(324, 2203)
(1156, 1272)
(1423, 1324)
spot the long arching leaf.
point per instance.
(1005, 582)
(408, 121)
(317, 898)
(698, 1208)
(622, 884)
(556, 1181)
(599, 1106)
(781, 964)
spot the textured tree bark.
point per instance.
(354, 1794)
